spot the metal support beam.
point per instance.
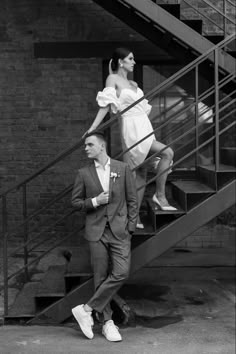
(147, 251)
(179, 30)
(184, 226)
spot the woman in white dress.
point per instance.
(118, 94)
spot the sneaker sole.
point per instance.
(88, 335)
(112, 340)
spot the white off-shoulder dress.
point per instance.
(135, 124)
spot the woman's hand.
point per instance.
(87, 132)
(84, 135)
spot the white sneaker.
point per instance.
(84, 320)
(111, 332)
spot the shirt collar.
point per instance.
(97, 164)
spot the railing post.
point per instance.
(216, 74)
(224, 19)
(196, 112)
(5, 258)
(25, 213)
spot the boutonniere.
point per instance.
(114, 175)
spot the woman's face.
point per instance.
(128, 62)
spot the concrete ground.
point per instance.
(177, 310)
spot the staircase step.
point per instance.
(228, 155)
(148, 227)
(190, 193)
(168, 236)
(162, 217)
(80, 261)
(79, 268)
(222, 168)
(173, 9)
(24, 305)
(52, 284)
(190, 187)
(232, 52)
(183, 174)
(216, 179)
(196, 25)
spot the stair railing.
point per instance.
(225, 19)
(153, 93)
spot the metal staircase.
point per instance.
(182, 39)
(209, 191)
(162, 24)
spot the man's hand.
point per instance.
(103, 198)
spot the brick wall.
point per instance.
(210, 14)
(213, 22)
(46, 104)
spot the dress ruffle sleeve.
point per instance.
(108, 97)
(146, 106)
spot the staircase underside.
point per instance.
(147, 251)
(165, 30)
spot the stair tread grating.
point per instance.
(48, 294)
(52, 282)
(192, 187)
(24, 304)
(222, 168)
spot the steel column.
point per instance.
(216, 81)
(26, 231)
(5, 259)
(196, 112)
(224, 19)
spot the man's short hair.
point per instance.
(98, 133)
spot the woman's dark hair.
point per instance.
(119, 53)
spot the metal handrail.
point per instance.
(72, 149)
(46, 252)
(217, 10)
(175, 115)
(176, 163)
(176, 140)
(69, 188)
(234, 5)
(148, 95)
(162, 125)
(189, 154)
(223, 28)
(40, 233)
(152, 93)
(58, 197)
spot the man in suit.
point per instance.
(106, 191)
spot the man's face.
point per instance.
(93, 147)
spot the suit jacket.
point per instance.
(122, 209)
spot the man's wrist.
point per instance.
(95, 202)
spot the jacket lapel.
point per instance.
(94, 175)
(113, 168)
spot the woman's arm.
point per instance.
(99, 118)
(110, 82)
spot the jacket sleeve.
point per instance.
(131, 199)
(79, 199)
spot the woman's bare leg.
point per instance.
(166, 158)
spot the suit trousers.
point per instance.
(110, 259)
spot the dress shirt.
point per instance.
(104, 177)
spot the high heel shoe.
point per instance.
(162, 207)
(139, 226)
